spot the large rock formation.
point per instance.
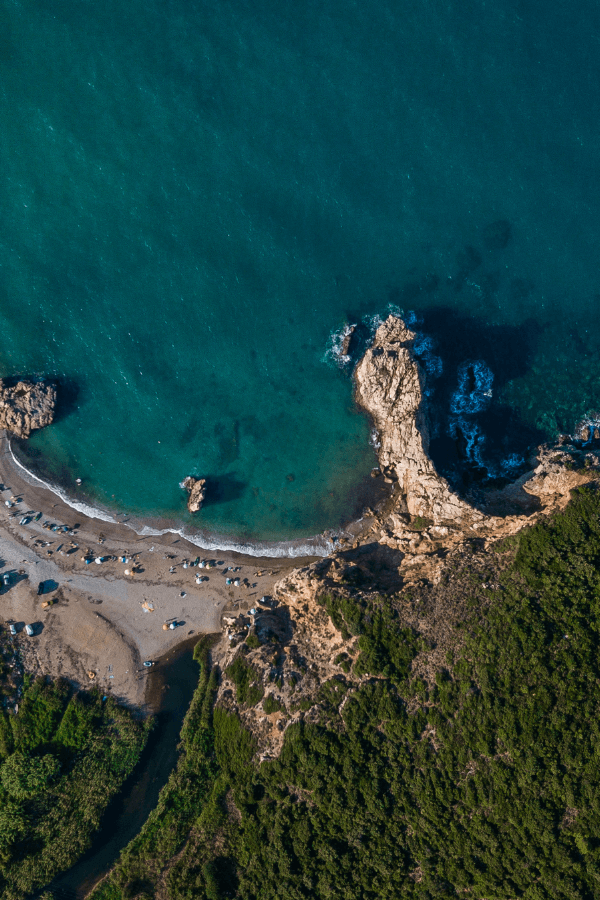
(423, 528)
(196, 488)
(425, 519)
(26, 406)
(389, 385)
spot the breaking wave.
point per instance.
(336, 345)
(319, 545)
(92, 512)
(474, 392)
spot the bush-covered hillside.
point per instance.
(481, 782)
(62, 758)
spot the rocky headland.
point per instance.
(26, 406)
(424, 530)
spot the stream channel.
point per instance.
(170, 689)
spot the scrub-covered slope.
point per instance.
(471, 771)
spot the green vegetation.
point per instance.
(271, 705)
(252, 641)
(246, 678)
(420, 523)
(63, 757)
(483, 781)
(180, 801)
(386, 647)
(344, 661)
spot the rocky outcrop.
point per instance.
(425, 530)
(390, 386)
(26, 406)
(426, 519)
(348, 334)
(196, 488)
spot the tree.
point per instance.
(26, 776)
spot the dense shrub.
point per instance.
(71, 755)
(483, 784)
(247, 681)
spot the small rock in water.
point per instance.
(196, 488)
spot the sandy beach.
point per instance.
(104, 624)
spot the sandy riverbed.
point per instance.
(99, 625)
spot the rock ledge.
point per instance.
(26, 406)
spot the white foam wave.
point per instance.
(320, 545)
(316, 546)
(591, 422)
(393, 310)
(85, 509)
(374, 439)
(473, 436)
(512, 464)
(372, 323)
(474, 392)
(335, 349)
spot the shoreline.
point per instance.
(319, 545)
(100, 622)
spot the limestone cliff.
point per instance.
(426, 517)
(26, 406)
(390, 386)
(423, 530)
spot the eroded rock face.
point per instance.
(427, 518)
(423, 528)
(390, 386)
(196, 488)
(26, 406)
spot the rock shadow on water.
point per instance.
(68, 397)
(44, 466)
(476, 439)
(224, 488)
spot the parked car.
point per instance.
(13, 628)
(29, 630)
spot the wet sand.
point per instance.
(98, 627)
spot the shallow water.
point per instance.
(196, 196)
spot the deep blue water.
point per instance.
(195, 196)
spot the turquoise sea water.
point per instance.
(195, 196)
